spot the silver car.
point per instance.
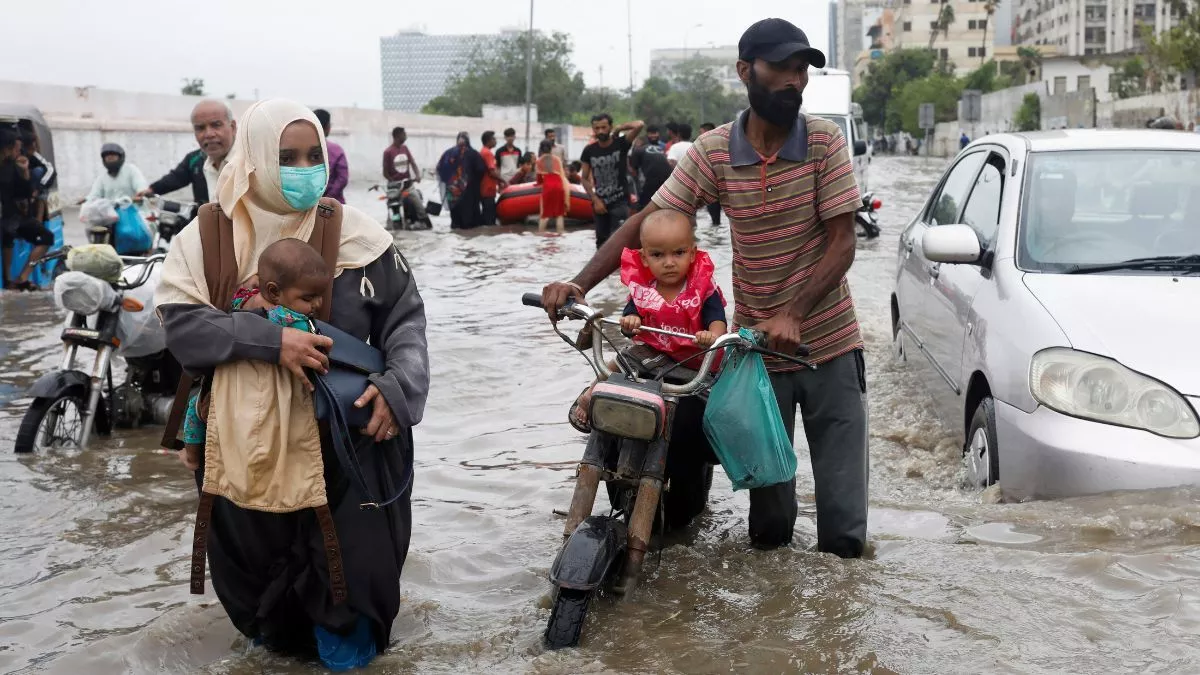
(1049, 291)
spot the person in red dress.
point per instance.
(556, 191)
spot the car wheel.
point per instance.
(980, 458)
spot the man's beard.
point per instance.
(780, 108)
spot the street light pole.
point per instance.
(629, 23)
(528, 75)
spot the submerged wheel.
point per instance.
(979, 452)
(566, 619)
(52, 423)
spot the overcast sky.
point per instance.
(327, 52)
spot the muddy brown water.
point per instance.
(94, 546)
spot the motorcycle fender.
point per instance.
(54, 383)
(592, 550)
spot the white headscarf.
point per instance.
(250, 193)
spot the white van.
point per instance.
(828, 95)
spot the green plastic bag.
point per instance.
(743, 425)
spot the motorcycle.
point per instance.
(170, 217)
(866, 218)
(113, 319)
(639, 419)
(406, 206)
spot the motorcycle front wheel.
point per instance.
(566, 619)
(51, 423)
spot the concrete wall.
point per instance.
(156, 134)
(999, 108)
(1133, 113)
(1076, 110)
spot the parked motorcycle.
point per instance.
(406, 206)
(112, 319)
(169, 217)
(639, 418)
(866, 218)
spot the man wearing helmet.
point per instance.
(120, 178)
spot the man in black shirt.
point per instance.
(605, 177)
(651, 165)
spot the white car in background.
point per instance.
(1049, 292)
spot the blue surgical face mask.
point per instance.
(302, 186)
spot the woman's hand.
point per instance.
(382, 426)
(299, 350)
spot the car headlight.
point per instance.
(1100, 389)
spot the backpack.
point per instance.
(222, 275)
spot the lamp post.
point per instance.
(686, 34)
(528, 73)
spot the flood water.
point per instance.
(94, 546)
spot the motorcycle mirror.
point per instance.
(131, 304)
(876, 204)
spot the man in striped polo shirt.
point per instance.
(787, 184)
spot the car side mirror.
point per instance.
(951, 244)
(860, 148)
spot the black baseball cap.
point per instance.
(776, 40)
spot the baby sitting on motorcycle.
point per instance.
(290, 285)
(671, 287)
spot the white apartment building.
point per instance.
(967, 43)
(1088, 27)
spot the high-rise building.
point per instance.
(1085, 27)
(416, 67)
(967, 41)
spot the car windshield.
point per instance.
(1109, 210)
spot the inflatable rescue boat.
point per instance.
(517, 203)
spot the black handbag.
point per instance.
(351, 362)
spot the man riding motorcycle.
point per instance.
(400, 170)
(214, 126)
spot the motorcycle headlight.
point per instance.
(1100, 389)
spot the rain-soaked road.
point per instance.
(94, 547)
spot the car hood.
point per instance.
(1147, 322)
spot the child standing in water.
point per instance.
(556, 191)
(671, 287)
(291, 283)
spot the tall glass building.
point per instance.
(416, 67)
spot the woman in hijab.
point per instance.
(556, 190)
(461, 171)
(269, 565)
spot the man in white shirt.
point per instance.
(679, 148)
(214, 126)
(120, 178)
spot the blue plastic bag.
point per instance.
(42, 275)
(743, 425)
(131, 234)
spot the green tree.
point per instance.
(943, 91)
(192, 87)
(1029, 115)
(885, 78)
(1176, 50)
(989, 6)
(1129, 78)
(497, 75)
(987, 78)
(943, 22)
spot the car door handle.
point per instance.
(934, 270)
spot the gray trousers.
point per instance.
(833, 404)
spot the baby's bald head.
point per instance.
(666, 228)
